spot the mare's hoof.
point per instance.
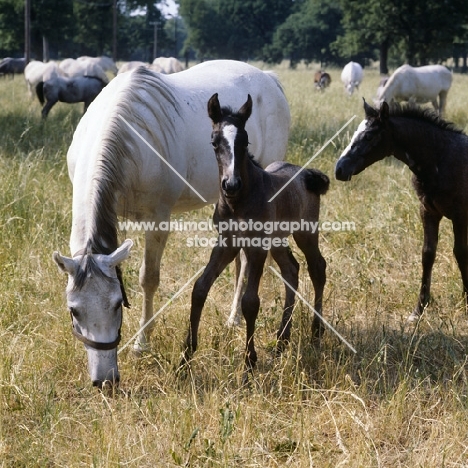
(139, 349)
(233, 322)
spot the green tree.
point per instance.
(307, 34)
(12, 27)
(420, 30)
(235, 29)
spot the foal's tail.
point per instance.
(316, 181)
(40, 92)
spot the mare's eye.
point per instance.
(74, 312)
(368, 136)
(117, 306)
(214, 144)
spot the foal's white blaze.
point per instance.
(361, 128)
(230, 133)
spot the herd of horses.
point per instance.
(143, 151)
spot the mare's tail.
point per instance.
(40, 92)
(316, 181)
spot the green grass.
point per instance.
(400, 401)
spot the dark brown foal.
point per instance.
(257, 210)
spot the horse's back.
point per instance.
(169, 112)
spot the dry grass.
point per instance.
(400, 401)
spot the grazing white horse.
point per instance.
(72, 68)
(419, 84)
(166, 65)
(117, 163)
(106, 63)
(132, 65)
(37, 72)
(351, 76)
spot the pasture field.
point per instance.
(400, 401)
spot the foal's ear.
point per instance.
(369, 110)
(214, 109)
(384, 111)
(245, 111)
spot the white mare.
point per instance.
(430, 83)
(106, 63)
(166, 65)
(115, 172)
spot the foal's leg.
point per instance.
(236, 310)
(442, 102)
(155, 241)
(220, 258)
(289, 268)
(316, 266)
(460, 250)
(431, 223)
(251, 301)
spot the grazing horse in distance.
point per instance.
(418, 84)
(12, 66)
(106, 63)
(129, 66)
(437, 154)
(351, 76)
(322, 80)
(141, 152)
(245, 193)
(37, 72)
(70, 90)
(73, 68)
(166, 65)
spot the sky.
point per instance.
(168, 7)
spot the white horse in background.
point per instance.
(351, 76)
(73, 68)
(129, 66)
(166, 65)
(418, 84)
(106, 63)
(37, 72)
(117, 163)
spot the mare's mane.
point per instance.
(427, 115)
(114, 159)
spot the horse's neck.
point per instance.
(417, 147)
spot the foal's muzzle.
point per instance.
(231, 185)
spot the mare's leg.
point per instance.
(220, 258)
(251, 301)
(460, 250)
(155, 241)
(236, 310)
(316, 266)
(289, 268)
(431, 221)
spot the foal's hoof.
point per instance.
(413, 319)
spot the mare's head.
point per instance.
(95, 296)
(368, 145)
(230, 141)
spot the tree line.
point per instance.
(328, 31)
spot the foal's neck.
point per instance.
(418, 145)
